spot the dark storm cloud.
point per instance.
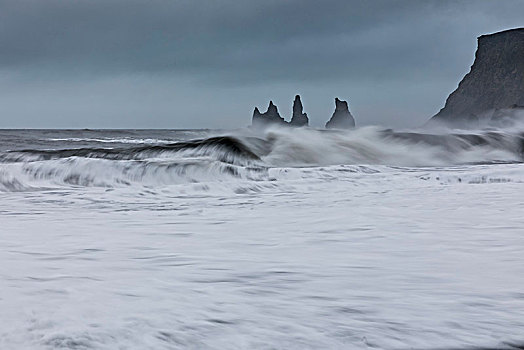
(227, 39)
(174, 35)
(256, 43)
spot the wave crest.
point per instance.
(248, 156)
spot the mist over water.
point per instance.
(283, 238)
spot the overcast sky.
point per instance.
(208, 63)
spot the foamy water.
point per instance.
(285, 239)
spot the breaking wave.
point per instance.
(248, 155)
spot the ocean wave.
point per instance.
(226, 149)
(266, 156)
(372, 145)
(76, 171)
(111, 140)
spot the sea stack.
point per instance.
(299, 118)
(271, 116)
(342, 118)
(494, 88)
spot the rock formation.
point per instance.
(299, 118)
(271, 116)
(494, 87)
(342, 118)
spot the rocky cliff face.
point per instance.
(299, 118)
(495, 83)
(271, 116)
(342, 118)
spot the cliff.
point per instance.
(341, 118)
(494, 87)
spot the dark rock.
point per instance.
(494, 86)
(270, 117)
(342, 118)
(299, 118)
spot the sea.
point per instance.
(262, 239)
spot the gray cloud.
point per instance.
(395, 60)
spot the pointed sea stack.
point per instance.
(271, 116)
(494, 87)
(342, 118)
(299, 118)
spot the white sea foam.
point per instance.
(294, 239)
(372, 145)
(111, 140)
